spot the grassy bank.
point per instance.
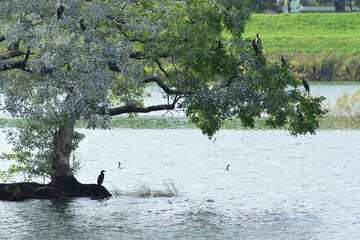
(329, 122)
(324, 46)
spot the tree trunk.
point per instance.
(60, 161)
(288, 6)
(62, 179)
(339, 5)
(350, 6)
(62, 176)
(63, 183)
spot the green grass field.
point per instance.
(322, 46)
(307, 32)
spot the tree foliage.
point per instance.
(55, 72)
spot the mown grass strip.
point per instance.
(307, 32)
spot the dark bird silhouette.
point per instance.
(300, 114)
(119, 164)
(100, 179)
(257, 39)
(306, 84)
(219, 45)
(256, 48)
(82, 25)
(227, 167)
(283, 62)
(60, 12)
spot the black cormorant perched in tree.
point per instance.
(82, 25)
(257, 39)
(227, 167)
(100, 179)
(256, 48)
(60, 11)
(283, 62)
(300, 114)
(219, 45)
(306, 84)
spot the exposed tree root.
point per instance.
(61, 187)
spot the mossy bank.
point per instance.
(323, 46)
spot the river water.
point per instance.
(277, 187)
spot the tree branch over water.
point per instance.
(163, 86)
(21, 64)
(131, 108)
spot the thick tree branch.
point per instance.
(140, 56)
(130, 108)
(21, 64)
(12, 54)
(136, 109)
(231, 78)
(27, 55)
(137, 55)
(13, 65)
(164, 87)
(161, 68)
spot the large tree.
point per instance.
(84, 61)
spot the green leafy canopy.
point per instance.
(72, 74)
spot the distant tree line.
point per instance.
(261, 6)
(339, 4)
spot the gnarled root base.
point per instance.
(61, 187)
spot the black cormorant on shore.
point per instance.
(60, 11)
(119, 164)
(227, 167)
(100, 179)
(306, 84)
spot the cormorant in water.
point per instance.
(306, 84)
(100, 179)
(82, 25)
(283, 62)
(119, 164)
(227, 167)
(60, 11)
